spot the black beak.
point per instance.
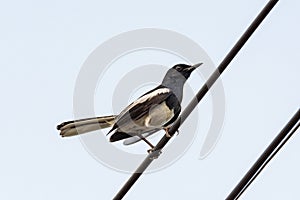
(197, 65)
(193, 67)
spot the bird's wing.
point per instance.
(140, 108)
(145, 97)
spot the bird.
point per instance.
(155, 110)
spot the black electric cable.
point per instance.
(285, 134)
(213, 78)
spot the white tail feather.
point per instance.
(81, 126)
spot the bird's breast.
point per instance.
(159, 115)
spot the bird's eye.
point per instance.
(178, 68)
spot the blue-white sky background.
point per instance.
(42, 47)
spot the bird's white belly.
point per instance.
(158, 116)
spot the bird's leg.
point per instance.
(147, 141)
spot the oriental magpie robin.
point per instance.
(151, 112)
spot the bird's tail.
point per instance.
(76, 127)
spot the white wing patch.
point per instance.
(159, 115)
(152, 94)
(144, 98)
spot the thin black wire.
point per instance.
(266, 156)
(213, 78)
(267, 161)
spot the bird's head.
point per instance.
(183, 70)
(177, 75)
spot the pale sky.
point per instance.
(43, 47)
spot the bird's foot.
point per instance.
(150, 150)
(167, 132)
(154, 154)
